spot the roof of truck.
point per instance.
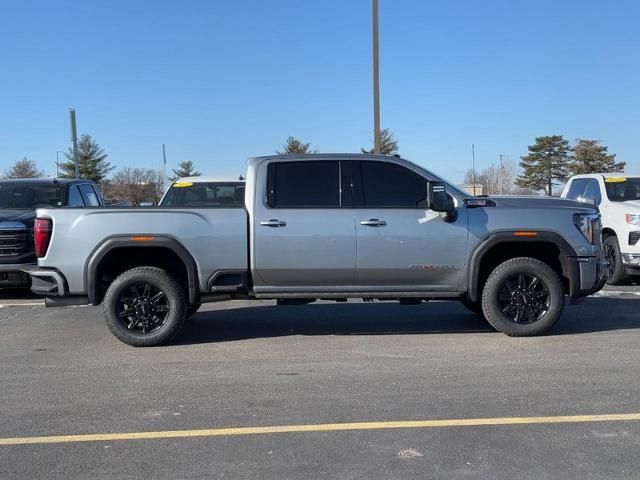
(211, 179)
(44, 181)
(607, 175)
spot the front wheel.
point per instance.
(145, 307)
(615, 271)
(523, 297)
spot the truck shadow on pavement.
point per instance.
(231, 324)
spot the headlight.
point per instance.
(589, 225)
(632, 218)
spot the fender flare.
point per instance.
(92, 286)
(566, 252)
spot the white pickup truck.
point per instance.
(618, 197)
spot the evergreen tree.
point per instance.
(295, 146)
(546, 164)
(185, 169)
(92, 161)
(388, 144)
(24, 168)
(591, 157)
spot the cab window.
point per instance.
(205, 194)
(392, 186)
(89, 194)
(305, 184)
(75, 199)
(576, 189)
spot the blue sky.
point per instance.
(220, 81)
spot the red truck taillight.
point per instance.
(42, 235)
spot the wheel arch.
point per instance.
(140, 250)
(549, 247)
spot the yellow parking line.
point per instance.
(323, 427)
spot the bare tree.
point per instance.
(134, 186)
(495, 179)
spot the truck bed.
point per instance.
(216, 238)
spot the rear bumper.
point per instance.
(14, 275)
(49, 283)
(587, 275)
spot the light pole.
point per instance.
(58, 152)
(376, 80)
(74, 139)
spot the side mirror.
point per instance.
(439, 201)
(589, 200)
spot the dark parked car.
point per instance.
(19, 199)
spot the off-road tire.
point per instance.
(495, 283)
(175, 299)
(616, 274)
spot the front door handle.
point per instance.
(274, 222)
(373, 222)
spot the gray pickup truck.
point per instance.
(326, 226)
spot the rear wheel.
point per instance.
(145, 307)
(523, 297)
(615, 271)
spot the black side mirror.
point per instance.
(439, 201)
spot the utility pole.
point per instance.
(473, 167)
(163, 172)
(74, 140)
(376, 80)
(58, 152)
(500, 174)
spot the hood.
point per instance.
(541, 202)
(24, 216)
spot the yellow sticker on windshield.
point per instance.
(182, 184)
(615, 179)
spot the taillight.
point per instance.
(42, 235)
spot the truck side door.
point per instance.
(303, 229)
(401, 244)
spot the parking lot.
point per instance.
(253, 390)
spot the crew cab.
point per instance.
(19, 199)
(618, 197)
(324, 226)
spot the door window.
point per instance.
(390, 185)
(89, 194)
(75, 199)
(593, 190)
(576, 188)
(304, 184)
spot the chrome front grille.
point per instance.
(14, 239)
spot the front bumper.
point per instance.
(631, 262)
(587, 275)
(14, 275)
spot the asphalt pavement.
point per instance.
(254, 390)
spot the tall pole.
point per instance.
(164, 166)
(473, 167)
(74, 139)
(58, 152)
(376, 81)
(500, 175)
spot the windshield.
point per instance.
(188, 194)
(30, 197)
(622, 189)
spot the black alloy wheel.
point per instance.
(144, 308)
(524, 298)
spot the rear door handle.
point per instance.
(274, 222)
(373, 222)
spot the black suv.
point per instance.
(19, 199)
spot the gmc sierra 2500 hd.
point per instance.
(329, 226)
